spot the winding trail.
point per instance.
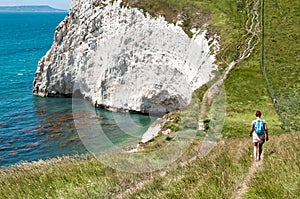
(252, 33)
(252, 28)
(208, 96)
(255, 168)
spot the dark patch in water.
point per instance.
(73, 139)
(12, 153)
(41, 112)
(54, 136)
(30, 146)
(3, 124)
(31, 129)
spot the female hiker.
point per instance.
(259, 133)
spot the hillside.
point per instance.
(281, 58)
(215, 165)
(219, 175)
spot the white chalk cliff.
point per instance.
(123, 59)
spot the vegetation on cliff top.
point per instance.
(224, 17)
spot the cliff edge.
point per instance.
(123, 59)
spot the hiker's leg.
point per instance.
(260, 145)
(255, 151)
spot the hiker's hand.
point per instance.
(267, 138)
(250, 134)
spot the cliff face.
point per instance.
(123, 59)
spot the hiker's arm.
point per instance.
(266, 130)
(251, 131)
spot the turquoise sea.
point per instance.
(33, 128)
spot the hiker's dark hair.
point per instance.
(257, 113)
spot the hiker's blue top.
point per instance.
(259, 126)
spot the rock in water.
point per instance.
(124, 60)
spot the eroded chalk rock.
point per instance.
(123, 59)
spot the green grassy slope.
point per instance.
(280, 177)
(222, 172)
(215, 176)
(246, 92)
(282, 57)
(218, 175)
(68, 177)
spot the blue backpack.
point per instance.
(259, 127)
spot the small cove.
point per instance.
(33, 128)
